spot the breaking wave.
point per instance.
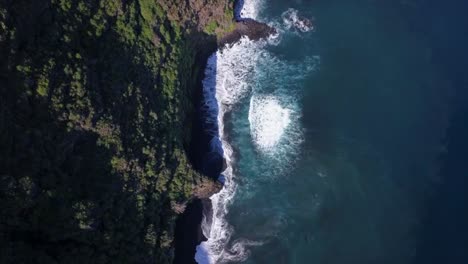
(294, 21)
(236, 74)
(226, 82)
(247, 9)
(268, 119)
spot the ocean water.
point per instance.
(341, 138)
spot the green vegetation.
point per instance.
(95, 116)
(220, 27)
(211, 27)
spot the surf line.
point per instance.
(223, 86)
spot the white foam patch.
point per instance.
(248, 9)
(230, 76)
(268, 121)
(292, 20)
(227, 80)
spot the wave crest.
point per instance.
(293, 20)
(226, 83)
(231, 75)
(268, 119)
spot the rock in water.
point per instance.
(297, 22)
(254, 30)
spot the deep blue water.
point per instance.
(350, 140)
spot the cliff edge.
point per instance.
(95, 115)
(96, 118)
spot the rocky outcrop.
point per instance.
(206, 187)
(215, 15)
(254, 30)
(208, 162)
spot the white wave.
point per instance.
(239, 251)
(248, 9)
(276, 132)
(292, 20)
(275, 109)
(230, 76)
(268, 120)
(226, 82)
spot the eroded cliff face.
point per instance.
(210, 16)
(96, 113)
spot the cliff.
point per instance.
(96, 113)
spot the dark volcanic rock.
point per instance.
(206, 188)
(254, 30)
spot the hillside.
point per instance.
(95, 115)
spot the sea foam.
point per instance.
(248, 9)
(268, 119)
(233, 74)
(292, 20)
(226, 82)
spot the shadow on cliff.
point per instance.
(239, 5)
(205, 149)
(58, 190)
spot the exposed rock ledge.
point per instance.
(206, 188)
(203, 189)
(254, 30)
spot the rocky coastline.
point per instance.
(98, 155)
(188, 227)
(250, 28)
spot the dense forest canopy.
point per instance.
(95, 116)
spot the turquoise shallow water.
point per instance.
(337, 142)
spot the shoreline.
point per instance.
(250, 28)
(188, 233)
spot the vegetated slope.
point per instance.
(95, 117)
